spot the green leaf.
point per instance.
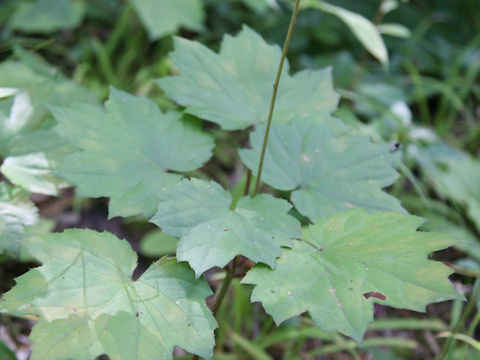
(87, 303)
(347, 263)
(393, 29)
(157, 243)
(261, 6)
(32, 151)
(43, 227)
(326, 173)
(32, 160)
(167, 16)
(44, 84)
(129, 151)
(363, 29)
(15, 114)
(453, 173)
(16, 212)
(211, 234)
(45, 16)
(233, 88)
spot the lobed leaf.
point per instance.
(129, 150)
(326, 173)
(234, 90)
(347, 263)
(211, 233)
(87, 304)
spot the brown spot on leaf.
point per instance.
(374, 294)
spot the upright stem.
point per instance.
(222, 291)
(246, 191)
(274, 95)
(223, 288)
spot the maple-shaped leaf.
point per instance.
(326, 173)
(211, 233)
(167, 16)
(233, 88)
(16, 212)
(347, 263)
(128, 151)
(87, 304)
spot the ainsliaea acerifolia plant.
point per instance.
(329, 241)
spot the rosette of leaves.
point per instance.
(133, 153)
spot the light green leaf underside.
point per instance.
(393, 29)
(45, 16)
(44, 84)
(32, 160)
(128, 151)
(346, 263)
(16, 212)
(32, 151)
(326, 173)
(167, 16)
(198, 212)
(363, 29)
(88, 305)
(234, 90)
(454, 174)
(15, 114)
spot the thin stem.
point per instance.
(222, 290)
(247, 184)
(474, 324)
(468, 308)
(274, 95)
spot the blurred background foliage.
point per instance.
(408, 74)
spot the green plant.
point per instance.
(332, 251)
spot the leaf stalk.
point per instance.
(223, 288)
(274, 96)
